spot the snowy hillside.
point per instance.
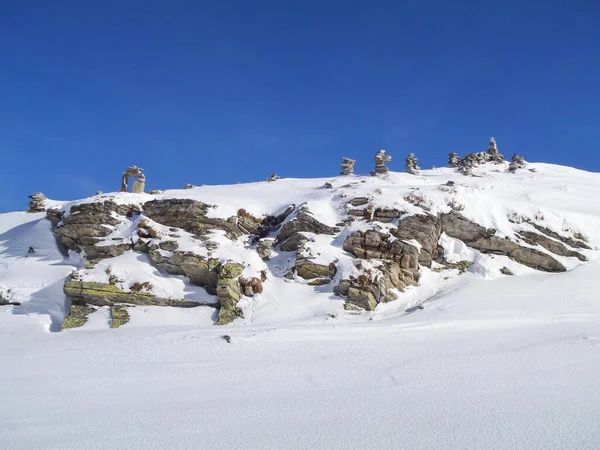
(434, 310)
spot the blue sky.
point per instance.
(223, 92)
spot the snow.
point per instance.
(489, 362)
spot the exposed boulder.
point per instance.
(426, 230)
(37, 203)
(459, 227)
(359, 201)
(309, 270)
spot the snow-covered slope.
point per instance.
(462, 360)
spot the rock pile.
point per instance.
(493, 154)
(380, 159)
(516, 162)
(37, 203)
(453, 160)
(411, 164)
(347, 166)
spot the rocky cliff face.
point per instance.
(354, 241)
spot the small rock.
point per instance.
(273, 177)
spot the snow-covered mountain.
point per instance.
(401, 311)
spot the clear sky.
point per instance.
(215, 92)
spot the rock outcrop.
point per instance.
(103, 294)
(229, 292)
(191, 216)
(426, 230)
(88, 223)
(304, 221)
(457, 226)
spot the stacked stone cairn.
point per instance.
(516, 162)
(380, 159)
(493, 154)
(453, 160)
(467, 164)
(347, 166)
(37, 203)
(138, 185)
(411, 164)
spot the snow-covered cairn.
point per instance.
(453, 160)
(347, 166)
(380, 159)
(493, 154)
(516, 162)
(411, 164)
(468, 163)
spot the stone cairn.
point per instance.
(139, 183)
(467, 164)
(380, 159)
(493, 154)
(273, 177)
(411, 164)
(347, 166)
(37, 203)
(453, 160)
(516, 162)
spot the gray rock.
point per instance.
(555, 247)
(484, 240)
(265, 248)
(273, 177)
(293, 243)
(426, 230)
(304, 221)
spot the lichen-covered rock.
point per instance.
(426, 230)
(304, 221)
(200, 270)
(229, 292)
(77, 317)
(474, 235)
(118, 316)
(104, 294)
(309, 270)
